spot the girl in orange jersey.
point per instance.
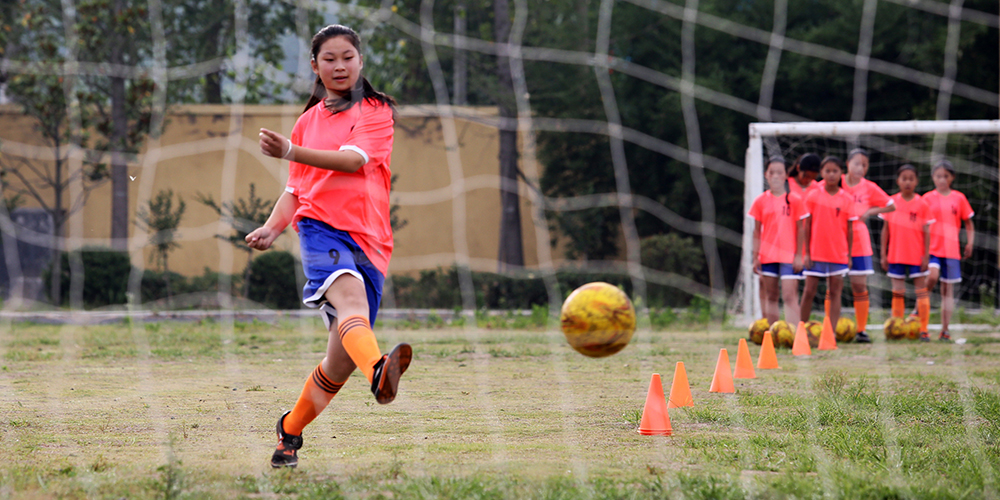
(337, 197)
(906, 241)
(949, 209)
(869, 200)
(777, 243)
(802, 176)
(828, 237)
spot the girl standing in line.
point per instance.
(906, 241)
(337, 197)
(869, 200)
(828, 237)
(949, 209)
(777, 243)
(802, 176)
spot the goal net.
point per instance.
(971, 145)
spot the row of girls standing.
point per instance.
(812, 230)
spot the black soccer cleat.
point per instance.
(945, 336)
(385, 378)
(925, 337)
(285, 454)
(862, 338)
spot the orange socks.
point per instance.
(898, 305)
(316, 394)
(359, 342)
(861, 310)
(923, 308)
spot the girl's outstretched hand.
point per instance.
(274, 144)
(261, 238)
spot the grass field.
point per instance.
(183, 410)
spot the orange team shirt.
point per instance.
(777, 219)
(357, 203)
(830, 215)
(866, 195)
(906, 230)
(795, 188)
(948, 213)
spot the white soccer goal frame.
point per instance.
(754, 172)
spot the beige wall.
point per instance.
(213, 150)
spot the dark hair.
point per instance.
(839, 163)
(363, 90)
(904, 168)
(808, 162)
(855, 152)
(945, 164)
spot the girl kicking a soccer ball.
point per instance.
(337, 198)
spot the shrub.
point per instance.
(675, 254)
(105, 276)
(273, 280)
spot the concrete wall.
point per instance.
(213, 150)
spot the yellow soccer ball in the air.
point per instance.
(911, 325)
(757, 329)
(846, 329)
(813, 330)
(894, 328)
(782, 334)
(598, 319)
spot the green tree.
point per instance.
(243, 215)
(54, 103)
(214, 31)
(160, 219)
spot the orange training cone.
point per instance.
(801, 345)
(767, 360)
(680, 391)
(723, 379)
(655, 419)
(827, 340)
(744, 366)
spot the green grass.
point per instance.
(502, 410)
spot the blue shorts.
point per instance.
(826, 269)
(951, 269)
(900, 271)
(861, 266)
(328, 253)
(780, 270)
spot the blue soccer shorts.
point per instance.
(328, 254)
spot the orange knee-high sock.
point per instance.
(898, 305)
(316, 394)
(923, 308)
(359, 342)
(826, 303)
(861, 310)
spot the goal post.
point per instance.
(896, 142)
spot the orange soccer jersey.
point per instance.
(358, 202)
(866, 195)
(830, 215)
(948, 213)
(777, 217)
(906, 230)
(795, 188)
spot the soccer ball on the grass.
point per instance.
(757, 329)
(813, 330)
(782, 334)
(911, 326)
(894, 328)
(598, 319)
(846, 330)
